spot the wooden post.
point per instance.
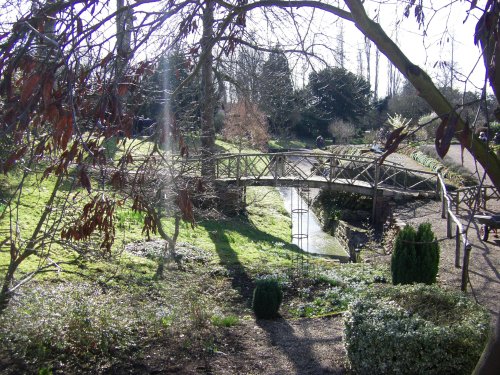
(483, 197)
(238, 158)
(465, 269)
(443, 204)
(438, 185)
(457, 247)
(448, 225)
(276, 158)
(457, 202)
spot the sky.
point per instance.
(447, 37)
(319, 32)
(445, 32)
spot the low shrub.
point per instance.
(267, 297)
(77, 326)
(225, 321)
(416, 329)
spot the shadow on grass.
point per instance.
(240, 279)
(280, 332)
(229, 257)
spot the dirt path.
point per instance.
(455, 154)
(304, 346)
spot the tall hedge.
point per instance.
(415, 258)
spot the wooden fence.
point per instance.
(461, 240)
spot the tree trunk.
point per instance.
(207, 95)
(489, 363)
(375, 89)
(5, 293)
(170, 243)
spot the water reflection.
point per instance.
(306, 228)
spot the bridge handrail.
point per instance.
(304, 154)
(346, 157)
(460, 233)
(335, 168)
(368, 159)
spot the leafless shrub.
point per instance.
(342, 131)
(245, 124)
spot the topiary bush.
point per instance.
(267, 297)
(415, 329)
(427, 254)
(415, 258)
(404, 258)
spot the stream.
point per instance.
(306, 228)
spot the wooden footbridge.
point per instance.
(351, 173)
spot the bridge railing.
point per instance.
(303, 166)
(408, 179)
(346, 169)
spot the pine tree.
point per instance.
(276, 93)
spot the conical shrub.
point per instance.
(415, 258)
(267, 297)
(404, 259)
(427, 254)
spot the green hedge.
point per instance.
(417, 329)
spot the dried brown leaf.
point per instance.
(29, 86)
(445, 133)
(85, 180)
(13, 158)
